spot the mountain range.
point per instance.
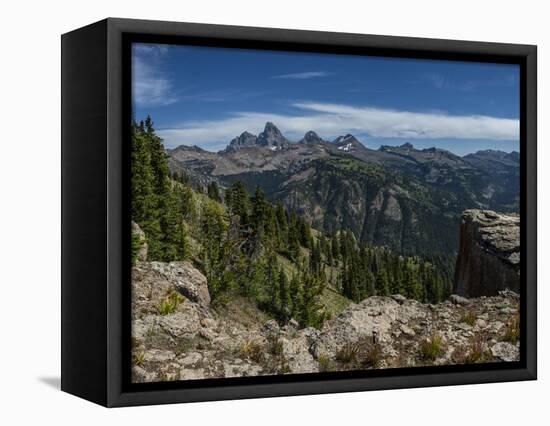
(407, 199)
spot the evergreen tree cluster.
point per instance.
(247, 240)
(157, 204)
(369, 271)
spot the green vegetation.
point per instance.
(511, 333)
(137, 243)
(473, 352)
(358, 355)
(347, 353)
(431, 348)
(252, 248)
(324, 364)
(252, 350)
(469, 318)
(139, 358)
(170, 303)
(275, 345)
(156, 202)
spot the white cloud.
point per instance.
(378, 122)
(332, 120)
(303, 75)
(150, 85)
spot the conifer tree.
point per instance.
(382, 285)
(239, 203)
(214, 191)
(284, 297)
(335, 248)
(142, 203)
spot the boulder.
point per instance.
(505, 351)
(459, 300)
(271, 326)
(399, 298)
(488, 256)
(186, 279)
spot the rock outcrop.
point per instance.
(489, 257)
(186, 279)
(139, 236)
(177, 336)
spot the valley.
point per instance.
(403, 198)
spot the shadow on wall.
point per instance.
(54, 382)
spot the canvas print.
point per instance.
(303, 213)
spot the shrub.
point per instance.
(274, 345)
(372, 356)
(431, 348)
(170, 303)
(347, 353)
(474, 352)
(252, 350)
(137, 243)
(139, 358)
(511, 334)
(324, 363)
(469, 318)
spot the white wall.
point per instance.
(30, 194)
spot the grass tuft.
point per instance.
(511, 334)
(324, 363)
(431, 348)
(252, 350)
(139, 358)
(170, 303)
(347, 353)
(469, 318)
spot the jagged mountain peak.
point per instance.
(271, 128)
(347, 142)
(245, 139)
(311, 137)
(272, 137)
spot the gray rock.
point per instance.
(191, 374)
(508, 294)
(294, 324)
(398, 298)
(186, 279)
(158, 355)
(208, 323)
(459, 300)
(140, 375)
(505, 351)
(480, 323)
(191, 359)
(271, 326)
(407, 330)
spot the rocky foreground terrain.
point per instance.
(178, 335)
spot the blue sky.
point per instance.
(206, 96)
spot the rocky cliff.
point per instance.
(177, 334)
(489, 258)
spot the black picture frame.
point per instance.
(96, 114)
